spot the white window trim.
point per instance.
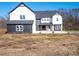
(19, 28)
(45, 20)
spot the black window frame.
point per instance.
(22, 17)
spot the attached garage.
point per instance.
(19, 26)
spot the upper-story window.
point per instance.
(45, 20)
(57, 19)
(22, 16)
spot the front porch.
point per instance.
(45, 28)
(50, 29)
(56, 27)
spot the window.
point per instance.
(19, 28)
(42, 19)
(45, 20)
(57, 19)
(22, 16)
(57, 27)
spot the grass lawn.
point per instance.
(39, 45)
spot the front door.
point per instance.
(57, 27)
(43, 27)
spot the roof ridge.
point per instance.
(45, 10)
(19, 5)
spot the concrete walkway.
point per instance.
(57, 32)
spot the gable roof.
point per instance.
(19, 5)
(39, 14)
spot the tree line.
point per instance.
(70, 18)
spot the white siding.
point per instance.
(15, 15)
(54, 19)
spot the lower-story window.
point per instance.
(19, 28)
(57, 27)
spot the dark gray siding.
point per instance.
(28, 28)
(11, 28)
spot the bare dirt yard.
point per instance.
(39, 45)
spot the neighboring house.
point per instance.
(24, 20)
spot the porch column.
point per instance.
(47, 28)
(61, 27)
(52, 27)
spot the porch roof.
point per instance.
(46, 24)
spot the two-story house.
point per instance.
(24, 20)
